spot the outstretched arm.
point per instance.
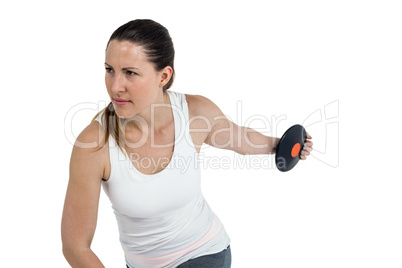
(224, 134)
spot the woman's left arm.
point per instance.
(225, 134)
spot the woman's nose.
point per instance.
(117, 84)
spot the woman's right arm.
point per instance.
(82, 198)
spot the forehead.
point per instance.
(125, 52)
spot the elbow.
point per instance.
(68, 252)
(67, 244)
(75, 256)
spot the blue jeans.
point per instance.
(221, 259)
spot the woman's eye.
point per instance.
(130, 73)
(109, 70)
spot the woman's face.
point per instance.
(131, 80)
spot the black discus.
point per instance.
(289, 148)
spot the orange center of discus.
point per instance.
(295, 149)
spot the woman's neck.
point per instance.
(155, 118)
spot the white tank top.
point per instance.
(163, 218)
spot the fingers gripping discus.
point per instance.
(289, 148)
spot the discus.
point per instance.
(289, 148)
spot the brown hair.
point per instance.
(159, 50)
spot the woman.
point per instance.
(135, 148)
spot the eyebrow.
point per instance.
(124, 69)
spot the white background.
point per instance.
(340, 208)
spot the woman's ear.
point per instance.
(166, 74)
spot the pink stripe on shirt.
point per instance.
(163, 260)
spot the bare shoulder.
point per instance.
(199, 105)
(91, 137)
(203, 116)
(89, 152)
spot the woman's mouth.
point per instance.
(120, 102)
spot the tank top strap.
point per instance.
(179, 100)
(181, 116)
